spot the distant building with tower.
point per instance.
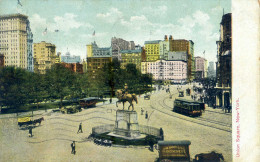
(70, 59)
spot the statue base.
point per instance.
(127, 124)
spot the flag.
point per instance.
(94, 33)
(44, 32)
(19, 3)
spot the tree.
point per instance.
(13, 88)
(59, 80)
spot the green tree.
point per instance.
(13, 88)
(60, 81)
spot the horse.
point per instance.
(212, 157)
(126, 97)
(38, 121)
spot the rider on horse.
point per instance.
(125, 91)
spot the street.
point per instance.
(52, 139)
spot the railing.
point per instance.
(103, 129)
(142, 128)
(149, 130)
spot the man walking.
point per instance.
(30, 132)
(146, 115)
(73, 148)
(80, 128)
(142, 111)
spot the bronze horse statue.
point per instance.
(126, 97)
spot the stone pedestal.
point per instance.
(127, 124)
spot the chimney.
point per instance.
(165, 37)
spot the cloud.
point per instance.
(111, 17)
(156, 11)
(62, 23)
(37, 22)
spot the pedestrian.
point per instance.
(146, 115)
(110, 100)
(161, 134)
(30, 132)
(80, 128)
(73, 147)
(151, 143)
(142, 111)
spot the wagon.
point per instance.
(147, 97)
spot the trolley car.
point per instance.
(188, 107)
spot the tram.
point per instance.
(89, 102)
(188, 107)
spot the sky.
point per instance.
(132, 20)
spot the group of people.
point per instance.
(103, 142)
(146, 113)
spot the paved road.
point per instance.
(51, 140)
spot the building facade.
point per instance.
(224, 60)
(2, 60)
(175, 71)
(70, 59)
(201, 66)
(178, 56)
(211, 70)
(16, 41)
(152, 50)
(75, 67)
(188, 46)
(131, 57)
(58, 58)
(44, 56)
(95, 63)
(94, 51)
(118, 44)
(164, 47)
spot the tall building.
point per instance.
(16, 41)
(131, 56)
(188, 46)
(44, 56)
(201, 65)
(224, 60)
(118, 44)
(94, 51)
(70, 59)
(165, 47)
(152, 50)
(211, 70)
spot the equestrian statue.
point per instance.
(123, 96)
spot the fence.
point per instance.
(142, 128)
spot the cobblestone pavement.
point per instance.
(52, 139)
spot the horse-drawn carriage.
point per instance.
(26, 121)
(181, 93)
(89, 102)
(147, 97)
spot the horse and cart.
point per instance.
(27, 121)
